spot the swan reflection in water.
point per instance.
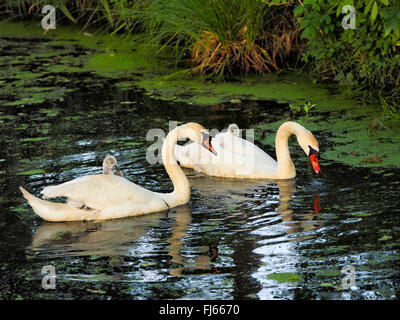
(240, 192)
(103, 238)
(117, 237)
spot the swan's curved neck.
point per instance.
(181, 192)
(286, 169)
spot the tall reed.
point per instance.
(220, 36)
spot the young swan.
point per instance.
(110, 166)
(234, 129)
(108, 196)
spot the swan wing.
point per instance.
(99, 191)
(235, 157)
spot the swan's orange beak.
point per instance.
(314, 162)
(207, 143)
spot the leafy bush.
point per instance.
(368, 55)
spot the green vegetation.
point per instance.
(306, 108)
(367, 55)
(284, 277)
(362, 132)
(221, 38)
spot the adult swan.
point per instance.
(239, 158)
(102, 196)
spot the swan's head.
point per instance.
(234, 129)
(310, 146)
(197, 133)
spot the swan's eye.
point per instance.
(313, 151)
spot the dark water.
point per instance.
(233, 240)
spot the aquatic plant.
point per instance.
(389, 110)
(306, 108)
(221, 36)
(85, 12)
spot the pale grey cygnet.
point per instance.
(110, 166)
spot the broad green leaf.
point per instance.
(374, 12)
(368, 6)
(387, 31)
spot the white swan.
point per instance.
(109, 196)
(110, 166)
(239, 158)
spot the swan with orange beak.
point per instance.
(235, 157)
(314, 157)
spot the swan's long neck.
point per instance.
(181, 192)
(286, 169)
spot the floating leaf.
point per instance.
(234, 101)
(95, 291)
(20, 209)
(132, 143)
(385, 238)
(284, 277)
(31, 172)
(34, 139)
(329, 273)
(326, 284)
(24, 101)
(361, 214)
(147, 264)
(49, 112)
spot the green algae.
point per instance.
(328, 273)
(34, 139)
(284, 277)
(361, 214)
(31, 172)
(25, 101)
(348, 139)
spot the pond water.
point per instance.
(233, 240)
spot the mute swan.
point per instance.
(110, 166)
(239, 158)
(109, 196)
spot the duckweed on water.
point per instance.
(31, 172)
(284, 277)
